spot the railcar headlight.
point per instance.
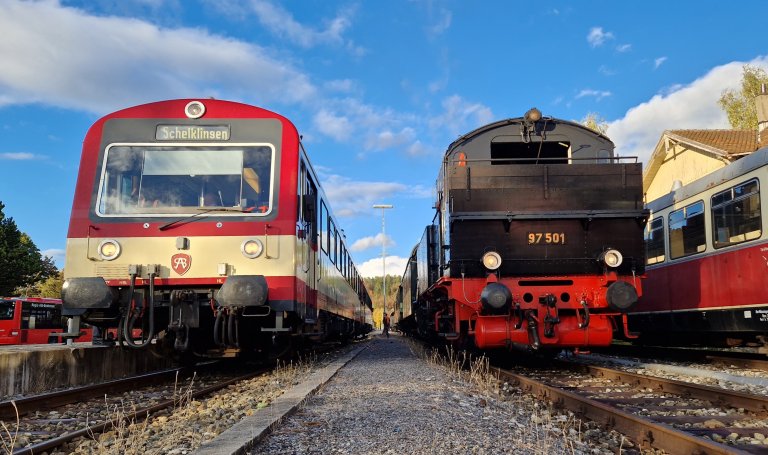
(194, 109)
(612, 258)
(109, 249)
(491, 260)
(252, 248)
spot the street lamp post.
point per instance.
(384, 251)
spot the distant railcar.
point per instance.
(707, 257)
(203, 224)
(537, 241)
(30, 320)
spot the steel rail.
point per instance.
(643, 431)
(754, 403)
(132, 416)
(52, 400)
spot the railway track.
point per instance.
(51, 420)
(751, 358)
(655, 413)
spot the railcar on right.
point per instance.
(707, 258)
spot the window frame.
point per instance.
(717, 244)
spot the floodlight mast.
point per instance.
(383, 207)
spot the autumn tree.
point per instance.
(21, 264)
(595, 122)
(739, 104)
(375, 286)
(48, 287)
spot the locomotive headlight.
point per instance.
(252, 248)
(491, 260)
(612, 258)
(194, 109)
(109, 249)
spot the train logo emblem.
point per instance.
(181, 263)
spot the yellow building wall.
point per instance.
(681, 164)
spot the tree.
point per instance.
(375, 286)
(739, 105)
(49, 287)
(21, 263)
(594, 122)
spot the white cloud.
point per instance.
(689, 106)
(367, 243)
(606, 71)
(623, 47)
(597, 37)
(441, 23)
(341, 85)
(17, 156)
(338, 127)
(128, 61)
(658, 62)
(388, 139)
(282, 23)
(57, 254)
(417, 149)
(394, 265)
(354, 198)
(459, 116)
(597, 94)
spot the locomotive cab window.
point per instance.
(151, 179)
(686, 231)
(533, 152)
(736, 214)
(654, 241)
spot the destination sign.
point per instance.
(192, 133)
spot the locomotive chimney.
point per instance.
(761, 105)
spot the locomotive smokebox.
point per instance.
(621, 296)
(243, 290)
(496, 298)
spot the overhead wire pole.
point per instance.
(383, 207)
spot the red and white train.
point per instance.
(707, 260)
(203, 223)
(32, 320)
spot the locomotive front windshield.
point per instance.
(156, 180)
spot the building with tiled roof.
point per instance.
(686, 155)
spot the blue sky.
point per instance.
(378, 88)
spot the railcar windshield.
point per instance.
(6, 310)
(155, 180)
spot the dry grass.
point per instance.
(7, 439)
(549, 430)
(131, 438)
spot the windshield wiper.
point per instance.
(203, 211)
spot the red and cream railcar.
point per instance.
(31, 320)
(707, 260)
(203, 223)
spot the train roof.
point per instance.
(517, 121)
(738, 168)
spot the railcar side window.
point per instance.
(654, 241)
(324, 226)
(686, 231)
(332, 241)
(736, 214)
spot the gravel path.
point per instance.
(390, 401)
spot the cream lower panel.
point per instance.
(205, 254)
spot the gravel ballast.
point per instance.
(388, 400)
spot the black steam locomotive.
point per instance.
(537, 240)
